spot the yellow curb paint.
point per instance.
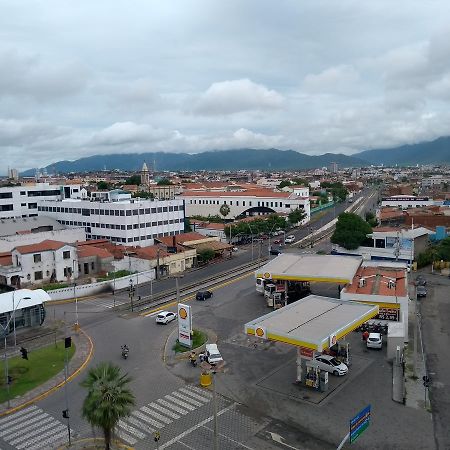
(191, 296)
(59, 385)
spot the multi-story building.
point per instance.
(406, 201)
(22, 201)
(246, 202)
(131, 221)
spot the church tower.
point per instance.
(145, 176)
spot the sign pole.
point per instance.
(346, 438)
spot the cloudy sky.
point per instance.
(85, 77)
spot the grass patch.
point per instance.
(42, 364)
(53, 286)
(199, 339)
(113, 275)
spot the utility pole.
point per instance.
(178, 289)
(131, 293)
(66, 375)
(416, 325)
(216, 431)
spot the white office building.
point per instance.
(251, 202)
(125, 220)
(22, 201)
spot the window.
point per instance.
(6, 195)
(128, 213)
(38, 275)
(92, 265)
(37, 257)
(66, 254)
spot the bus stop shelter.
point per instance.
(305, 267)
(312, 324)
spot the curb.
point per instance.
(59, 385)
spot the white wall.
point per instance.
(70, 235)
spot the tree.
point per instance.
(283, 184)
(143, 194)
(296, 216)
(164, 182)
(103, 185)
(134, 180)
(351, 231)
(109, 398)
(224, 210)
(206, 254)
(371, 219)
(443, 250)
(187, 225)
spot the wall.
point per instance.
(70, 235)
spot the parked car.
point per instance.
(277, 241)
(203, 295)
(375, 340)
(165, 317)
(331, 364)
(421, 291)
(274, 251)
(289, 239)
(212, 354)
(421, 280)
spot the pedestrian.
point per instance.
(365, 336)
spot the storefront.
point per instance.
(315, 325)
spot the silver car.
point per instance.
(331, 364)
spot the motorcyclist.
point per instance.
(193, 358)
(125, 350)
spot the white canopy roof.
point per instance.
(22, 298)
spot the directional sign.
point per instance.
(359, 423)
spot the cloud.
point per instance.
(333, 79)
(235, 96)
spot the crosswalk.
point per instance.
(160, 413)
(32, 428)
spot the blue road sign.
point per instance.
(359, 423)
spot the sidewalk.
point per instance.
(83, 352)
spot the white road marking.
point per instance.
(138, 423)
(179, 402)
(195, 395)
(41, 419)
(41, 436)
(174, 407)
(155, 414)
(52, 439)
(126, 437)
(202, 391)
(195, 427)
(166, 411)
(13, 417)
(229, 439)
(130, 429)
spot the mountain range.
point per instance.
(434, 152)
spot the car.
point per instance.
(331, 364)
(212, 354)
(277, 241)
(274, 251)
(421, 280)
(374, 340)
(421, 291)
(289, 239)
(203, 295)
(164, 317)
(234, 249)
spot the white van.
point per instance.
(213, 355)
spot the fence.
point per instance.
(322, 207)
(102, 286)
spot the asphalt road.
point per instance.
(435, 312)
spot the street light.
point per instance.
(4, 335)
(14, 320)
(77, 325)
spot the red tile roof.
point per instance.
(181, 238)
(5, 259)
(86, 251)
(150, 252)
(43, 246)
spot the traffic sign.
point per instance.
(359, 423)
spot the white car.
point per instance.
(375, 340)
(165, 317)
(212, 354)
(289, 239)
(331, 364)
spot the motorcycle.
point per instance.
(193, 360)
(125, 351)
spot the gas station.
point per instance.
(315, 325)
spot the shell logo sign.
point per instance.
(333, 340)
(267, 275)
(183, 313)
(261, 332)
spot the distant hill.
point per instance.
(271, 159)
(434, 152)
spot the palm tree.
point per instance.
(224, 211)
(108, 399)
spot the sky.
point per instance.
(100, 77)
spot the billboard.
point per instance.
(184, 325)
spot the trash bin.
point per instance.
(205, 379)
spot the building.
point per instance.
(32, 230)
(45, 262)
(384, 285)
(435, 180)
(13, 174)
(132, 221)
(406, 201)
(22, 201)
(246, 202)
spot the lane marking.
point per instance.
(195, 427)
(12, 417)
(187, 399)
(29, 424)
(174, 407)
(193, 394)
(154, 414)
(228, 438)
(166, 411)
(130, 429)
(179, 402)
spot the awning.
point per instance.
(313, 322)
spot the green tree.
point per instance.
(351, 231)
(187, 225)
(284, 183)
(134, 180)
(443, 250)
(109, 398)
(296, 216)
(371, 219)
(224, 210)
(164, 182)
(103, 185)
(144, 194)
(206, 254)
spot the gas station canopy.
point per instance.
(321, 268)
(314, 322)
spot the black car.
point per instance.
(421, 280)
(203, 295)
(274, 251)
(421, 291)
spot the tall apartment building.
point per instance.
(125, 220)
(22, 201)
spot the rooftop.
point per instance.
(43, 246)
(262, 193)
